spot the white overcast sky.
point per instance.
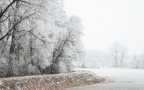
(107, 21)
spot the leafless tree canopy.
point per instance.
(118, 53)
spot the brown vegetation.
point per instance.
(49, 82)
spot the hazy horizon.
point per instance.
(107, 21)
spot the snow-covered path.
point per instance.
(116, 79)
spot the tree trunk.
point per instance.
(14, 48)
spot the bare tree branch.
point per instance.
(5, 10)
(30, 31)
(5, 18)
(11, 29)
(63, 46)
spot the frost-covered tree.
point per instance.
(135, 62)
(118, 52)
(69, 47)
(36, 37)
(26, 14)
(138, 61)
(141, 59)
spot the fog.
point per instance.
(105, 23)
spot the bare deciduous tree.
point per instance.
(118, 52)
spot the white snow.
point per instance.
(116, 79)
(121, 75)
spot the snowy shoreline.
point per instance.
(116, 79)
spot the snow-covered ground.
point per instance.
(116, 79)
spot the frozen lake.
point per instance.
(116, 79)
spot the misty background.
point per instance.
(107, 22)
